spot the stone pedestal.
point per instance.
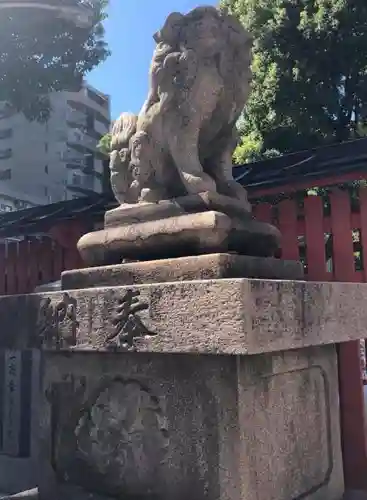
(205, 427)
(224, 389)
(199, 267)
(199, 224)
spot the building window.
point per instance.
(46, 190)
(90, 120)
(61, 135)
(6, 153)
(46, 147)
(6, 133)
(102, 119)
(6, 208)
(89, 162)
(46, 169)
(21, 205)
(97, 98)
(6, 112)
(76, 180)
(5, 175)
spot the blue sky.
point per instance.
(129, 30)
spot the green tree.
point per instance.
(40, 53)
(309, 74)
(104, 144)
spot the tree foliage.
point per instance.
(104, 145)
(309, 74)
(40, 53)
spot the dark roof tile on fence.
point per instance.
(312, 165)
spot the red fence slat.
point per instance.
(263, 212)
(2, 270)
(288, 228)
(363, 228)
(21, 268)
(35, 251)
(350, 381)
(315, 239)
(11, 263)
(58, 262)
(46, 257)
(341, 227)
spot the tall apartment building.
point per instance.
(43, 163)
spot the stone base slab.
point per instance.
(133, 406)
(193, 234)
(226, 316)
(201, 267)
(203, 427)
(197, 203)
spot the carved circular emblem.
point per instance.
(122, 436)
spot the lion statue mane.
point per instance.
(183, 139)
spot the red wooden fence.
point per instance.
(328, 235)
(32, 262)
(305, 228)
(305, 224)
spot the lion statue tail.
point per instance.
(122, 131)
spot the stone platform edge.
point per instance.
(198, 267)
(227, 316)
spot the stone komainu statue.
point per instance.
(183, 139)
(171, 166)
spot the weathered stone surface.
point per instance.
(206, 232)
(260, 424)
(199, 267)
(287, 405)
(175, 158)
(128, 214)
(183, 138)
(237, 316)
(210, 427)
(19, 400)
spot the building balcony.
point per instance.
(100, 99)
(85, 182)
(81, 141)
(6, 133)
(76, 118)
(5, 174)
(72, 157)
(5, 154)
(91, 173)
(94, 134)
(100, 127)
(6, 111)
(80, 190)
(75, 165)
(83, 168)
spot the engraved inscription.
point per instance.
(128, 324)
(57, 323)
(11, 414)
(17, 369)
